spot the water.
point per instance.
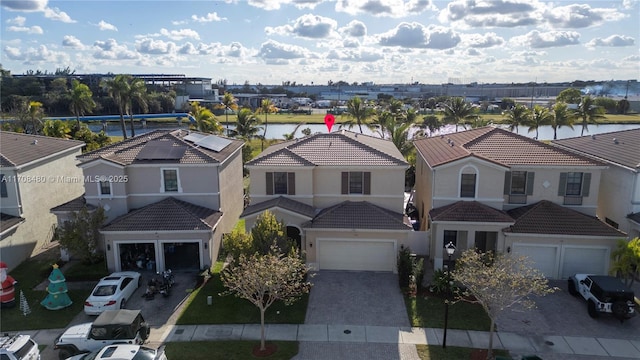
(278, 131)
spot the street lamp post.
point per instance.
(450, 249)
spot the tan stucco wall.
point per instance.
(304, 183)
(616, 198)
(231, 191)
(489, 180)
(56, 186)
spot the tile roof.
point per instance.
(9, 221)
(125, 152)
(635, 217)
(339, 148)
(619, 147)
(17, 149)
(469, 211)
(74, 205)
(545, 217)
(169, 214)
(359, 215)
(499, 146)
(280, 202)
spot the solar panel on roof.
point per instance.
(194, 137)
(161, 150)
(213, 142)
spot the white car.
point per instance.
(112, 292)
(18, 347)
(123, 352)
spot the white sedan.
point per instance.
(112, 292)
(124, 352)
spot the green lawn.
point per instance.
(228, 350)
(232, 310)
(429, 312)
(427, 352)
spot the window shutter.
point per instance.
(586, 184)
(3, 186)
(366, 183)
(562, 187)
(269, 183)
(507, 183)
(345, 182)
(530, 178)
(291, 183)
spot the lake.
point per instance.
(277, 131)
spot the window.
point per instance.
(574, 184)
(3, 186)
(105, 188)
(356, 182)
(282, 183)
(468, 185)
(170, 177)
(518, 182)
(450, 236)
(612, 223)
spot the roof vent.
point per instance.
(615, 141)
(451, 143)
(35, 142)
(593, 136)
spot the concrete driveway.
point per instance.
(356, 298)
(563, 314)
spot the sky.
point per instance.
(316, 41)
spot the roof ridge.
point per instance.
(354, 141)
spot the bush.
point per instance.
(405, 266)
(440, 282)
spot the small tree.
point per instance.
(267, 231)
(498, 283)
(263, 279)
(81, 234)
(626, 260)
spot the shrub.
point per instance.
(405, 266)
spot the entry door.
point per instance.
(486, 240)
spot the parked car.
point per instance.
(111, 327)
(123, 352)
(18, 347)
(604, 294)
(112, 292)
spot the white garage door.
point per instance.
(585, 260)
(544, 258)
(369, 255)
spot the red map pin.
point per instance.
(329, 119)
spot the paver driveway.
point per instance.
(356, 298)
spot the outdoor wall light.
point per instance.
(508, 249)
(108, 247)
(310, 244)
(206, 245)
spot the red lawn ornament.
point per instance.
(329, 119)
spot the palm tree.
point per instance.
(229, 103)
(81, 100)
(516, 116)
(137, 93)
(118, 89)
(562, 116)
(266, 107)
(539, 116)
(457, 111)
(247, 125)
(204, 118)
(384, 119)
(429, 122)
(35, 114)
(292, 135)
(588, 112)
(357, 111)
(57, 128)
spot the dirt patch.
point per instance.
(269, 349)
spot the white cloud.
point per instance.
(111, 50)
(13, 53)
(180, 34)
(390, 8)
(539, 40)
(629, 4)
(360, 55)
(104, 26)
(57, 15)
(306, 4)
(268, 4)
(307, 26)
(501, 13)
(273, 50)
(613, 40)
(25, 5)
(210, 17)
(72, 42)
(483, 40)
(236, 50)
(18, 20)
(416, 35)
(577, 16)
(473, 52)
(152, 46)
(35, 56)
(26, 29)
(355, 28)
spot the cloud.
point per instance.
(268, 4)
(236, 50)
(498, 13)
(26, 29)
(307, 26)
(25, 5)
(104, 26)
(111, 50)
(355, 28)
(359, 55)
(57, 15)
(306, 4)
(415, 35)
(210, 17)
(613, 40)
(152, 46)
(577, 16)
(273, 50)
(37, 55)
(72, 42)
(180, 34)
(484, 41)
(18, 20)
(389, 8)
(13, 53)
(539, 40)
(473, 52)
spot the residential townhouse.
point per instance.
(494, 190)
(37, 173)
(340, 195)
(619, 192)
(169, 195)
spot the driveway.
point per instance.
(563, 314)
(356, 298)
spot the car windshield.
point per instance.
(145, 353)
(104, 290)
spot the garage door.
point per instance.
(544, 258)
(373, 255)
(585, 260)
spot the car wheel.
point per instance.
(571, 286)
(123, 303)
(144, 331)
(65, 353)
(591, 307)
(140, 281)
(619, 309)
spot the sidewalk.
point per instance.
(516, 344)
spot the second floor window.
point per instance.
(574, 184)
(518, 182)
(281, 183)
(105, 188)
(3, 186)
(170, 177)
(356, 182)
(468, 185)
